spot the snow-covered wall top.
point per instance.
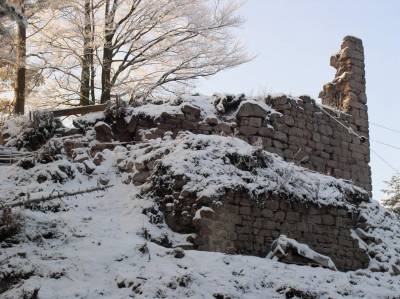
(208, 166)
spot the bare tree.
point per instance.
(14, 66)
(155, 45)
(143, 48)
(20, 62)
(9, 10)
(17, 11)
(87, 59)
(67, 49)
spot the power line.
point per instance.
(386, 144)
(384, 127)
(386, 162)
(351, 131)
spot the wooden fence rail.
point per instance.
(12, 155)
(79, 110)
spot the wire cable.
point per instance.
(386, 162)
(351, 131)
(384, 127)
(386, 144)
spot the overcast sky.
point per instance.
(293, 41)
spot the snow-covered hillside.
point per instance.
(95, 246)
(103, 245)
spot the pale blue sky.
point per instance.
(293, 41)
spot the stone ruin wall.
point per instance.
(316, 137)
(236, 222)
(298, 129)
(242, 225)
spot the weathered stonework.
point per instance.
(311, 135)
(331, 139)
(244, 226)
(262, 202)
(237, 223)
(347, 93)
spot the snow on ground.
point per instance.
(98, 244)
(209, 108)
(154, 111)
(19, 184)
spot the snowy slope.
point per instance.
(98, 245)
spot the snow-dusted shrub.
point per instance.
(10, 224)
(225, 103)
(30, 133)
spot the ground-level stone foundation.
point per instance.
(242, 225)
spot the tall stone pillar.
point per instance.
(347, 93)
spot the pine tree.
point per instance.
(392, 201)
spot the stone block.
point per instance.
(269, 225)
(255, 122)
(245, 211)
(103, 132)
(281, 136)
(211, 120)
(289, 120)
(279, 216)
(292, 216)
(328, 220)
(272, 205)
(247, 131)
(251, 109)
(205, 127)
(314, 219)
(191, 110)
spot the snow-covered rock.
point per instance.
(282, 246)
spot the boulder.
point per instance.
(103, 132)
(290, 251)
(251, 109)
(89, 166)
(212, 120)
(191, 110)
(178, 253)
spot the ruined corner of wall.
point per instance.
(347, 94)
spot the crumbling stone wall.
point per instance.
(242, 225)
(238, 220)
(306, 134)
(238, 223)
(311, 135)
(347, 93)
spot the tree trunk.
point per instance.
(92, 68)
(87, 57)
(107, 55)
(20, 64)
(106, 75)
